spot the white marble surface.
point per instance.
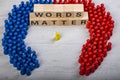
(59, 59)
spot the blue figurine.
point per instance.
(25, 60)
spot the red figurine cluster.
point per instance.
(100, 26)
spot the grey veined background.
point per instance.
(59, 59)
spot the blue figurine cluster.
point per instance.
(22, 57)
